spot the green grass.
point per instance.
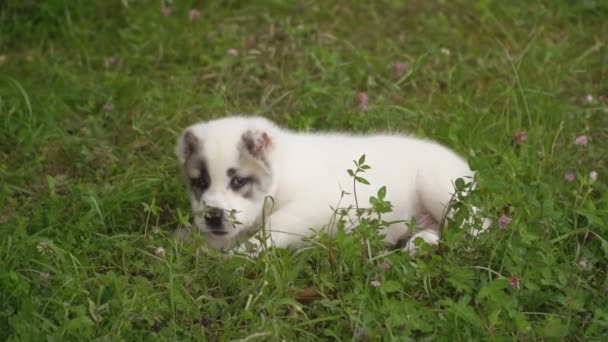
(89, 187)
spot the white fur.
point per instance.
(309, 175)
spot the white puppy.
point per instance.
(245, 172)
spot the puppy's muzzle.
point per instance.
(214, 218)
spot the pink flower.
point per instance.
(520, 137)
(232, 52)
(250, 42)
(399, 68)
(593, 176)
(113, 60)
(515, 281)
(581, 141)
(166, 11)
(385, 265)
(504, 221)
(569, 177)
(108, 107)
(5, 215)
(361, 334)
(362, 100)
(194, 14)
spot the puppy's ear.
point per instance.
(187, 143)
(256, 143)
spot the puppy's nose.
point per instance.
(214, 217)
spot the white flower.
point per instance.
(44, 247)
(593, 176)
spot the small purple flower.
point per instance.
(362, 100)
(108, 107)
(504, 221)
(232, 52)
(166, 11)
(593, 176)
(569, 177)
(361, 334)
(111, 61)
(250, 41)
(399, 68)
(194, 14)
(520, 137)
(5, 215)
(385, 265)
(515, 282)
(581, 140)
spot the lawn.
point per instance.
(94, 93)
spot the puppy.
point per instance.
(245, 173)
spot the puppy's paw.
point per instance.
(427, 236)
(251, 248)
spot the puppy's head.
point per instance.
(228, 170)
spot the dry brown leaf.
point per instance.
(308, 295)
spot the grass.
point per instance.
(93, 93)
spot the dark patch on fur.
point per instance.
(249, 142)
(192, 162)
(191, 143)
(201, 183)
(246, 190)
(403, 240)
(249, 193)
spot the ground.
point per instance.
(94, 93)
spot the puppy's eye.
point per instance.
(238, 182)
(200, 183)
